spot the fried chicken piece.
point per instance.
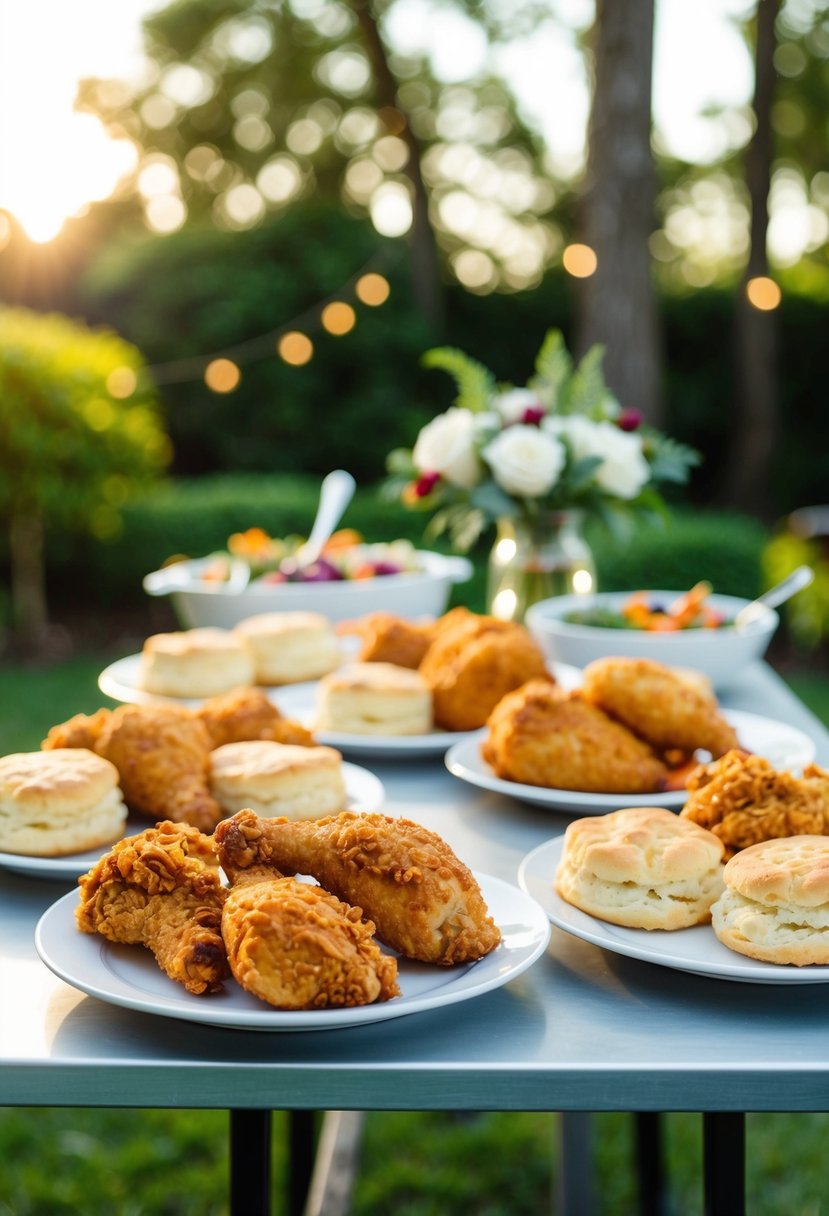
(658, 704)
(161, 889)
(295, 946)
(162, 754)
(386, 638)
(743, 799)
(246, 714)
(541, 735)
(473, 663)
(424, 902)
(82, 730)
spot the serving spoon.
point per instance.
(782, 591)
(336, 492)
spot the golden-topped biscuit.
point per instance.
(642, 867)
(194, 663)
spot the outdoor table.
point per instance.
(582, 1030)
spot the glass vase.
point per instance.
(535, 559)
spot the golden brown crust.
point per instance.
(743, 799)
(81, 730)
(295, 946)
(475, 662)
(660, 705)
(424, 901)
(386, 638)
(540, 735)
(248, 713)
(161, 889)
(642, 867)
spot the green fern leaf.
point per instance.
(553, 366)
(475, 383)
(586, 390)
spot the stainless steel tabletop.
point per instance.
(582, 1029)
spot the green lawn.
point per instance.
(174, 1162)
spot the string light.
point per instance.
(763, 293)
(295, 348)
(372, 289)
(580, 261)
(221, 370)
(338, 318)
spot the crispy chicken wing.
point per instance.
(473, 663)
(743, 799)
(658, 704)
(162, 754)
(295, 946)
(161, 889)
(540, 735)
(424, 902)
(386, 638)
(246, 714)
(81, 730)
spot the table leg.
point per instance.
(650, 1176)
(724, 1158)
(574, 1187)
(301, 1152)
(250, 1163)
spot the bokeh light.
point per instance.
(763, 293)
(579, 260)
(295, 348)
(372, 289)
(338, 318)
(222, 375)
(121, 383)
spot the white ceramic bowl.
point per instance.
(413, 594)
(722, 654)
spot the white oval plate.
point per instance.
(129, 975)
(364, 793)
(783, 745)
(120, 681)
(696, 950)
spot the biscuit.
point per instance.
(776, 904)
(374, 699)
(277, 779)
(194, 663)
(57, 802)
(643, 867)
(289, 647)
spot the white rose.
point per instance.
(446, 445)
(525, 461)
(512, 404)
(624, 469)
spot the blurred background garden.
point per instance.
(229, 230)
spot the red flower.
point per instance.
(533, 414)
(630, 420)
(425, 484)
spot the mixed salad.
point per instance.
(689, 611)
(346, 555)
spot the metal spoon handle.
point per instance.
(796, 581)
(335, 494)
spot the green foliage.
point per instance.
(475, 383)
(70, 452)
(198, 292)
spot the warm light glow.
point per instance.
(222, 375)
(121, 382)
(338, 318)
(504, 604)
(372, 289)
(763, 293)
(582, 582)
(580, 261)
(295, 348)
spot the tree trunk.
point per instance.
(28, 581)
(755, 331)
(426, 282)
(616, 304)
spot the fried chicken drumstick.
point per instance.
(424, 902)
(161, 889)
(295, 946)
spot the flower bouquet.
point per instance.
(535, 460)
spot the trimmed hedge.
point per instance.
(195, 517)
